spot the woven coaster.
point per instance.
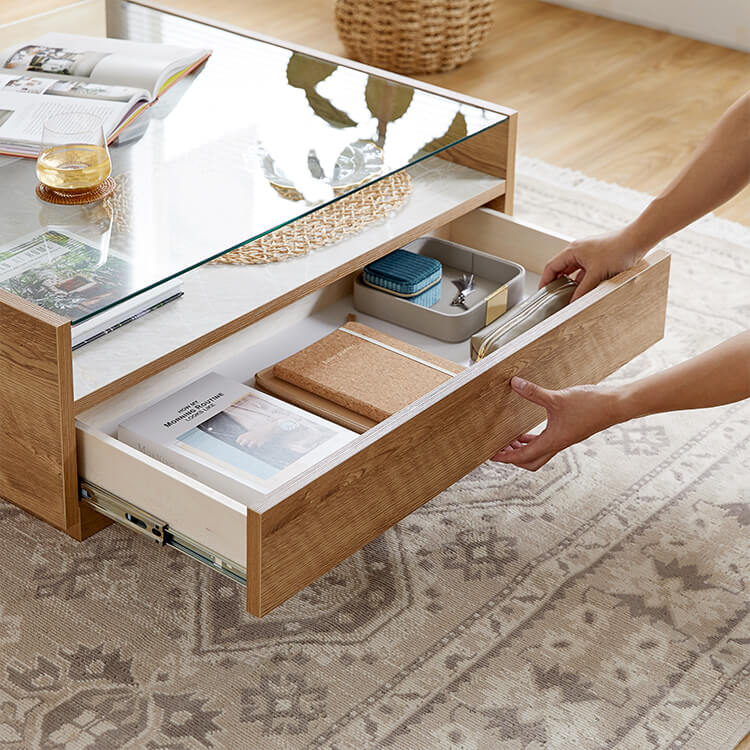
(76, 199)
(326, 226)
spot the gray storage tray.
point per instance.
(441, 321)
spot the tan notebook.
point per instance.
(267, 382)
(366, 371)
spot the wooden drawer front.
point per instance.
(425, 448)
(315, 521)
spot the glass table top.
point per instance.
(257, 137)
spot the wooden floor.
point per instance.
(619, 102)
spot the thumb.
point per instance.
(585, 285)
(562, 263)
(531, 391)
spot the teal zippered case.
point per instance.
(408, 275)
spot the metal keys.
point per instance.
(465, 286)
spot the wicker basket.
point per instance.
(413, 36)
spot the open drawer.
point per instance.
(313, 522)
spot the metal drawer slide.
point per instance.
(156, 530)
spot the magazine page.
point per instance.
(116, 62)
(63, 273)
(70, 88)
(22, 116)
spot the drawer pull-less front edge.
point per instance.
(138, 520)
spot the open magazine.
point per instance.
(114, 79)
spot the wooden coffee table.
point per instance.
(196, 187)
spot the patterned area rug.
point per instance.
(600, 603)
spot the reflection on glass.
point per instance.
(306, 73)
(92, 222)
(357, 164)
(227, 148)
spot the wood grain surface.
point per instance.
(493, 152)
(37, 437)
(407, 462)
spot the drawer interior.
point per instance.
(283, 334)
(304, 321)
(278, 336)
(275, 536)
(111, 469)
(319, 316)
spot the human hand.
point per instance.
(573, 414)
(594, 259)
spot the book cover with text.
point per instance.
(234, 438)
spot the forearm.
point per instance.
(718, 170)
(718, 376)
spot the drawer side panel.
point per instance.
(189, 507)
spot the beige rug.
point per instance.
(601, 603)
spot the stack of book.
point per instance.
(356, 376)
(245, 442)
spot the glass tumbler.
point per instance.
(73, 157)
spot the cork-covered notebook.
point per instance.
(365, 370)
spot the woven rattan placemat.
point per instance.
(326, 226)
